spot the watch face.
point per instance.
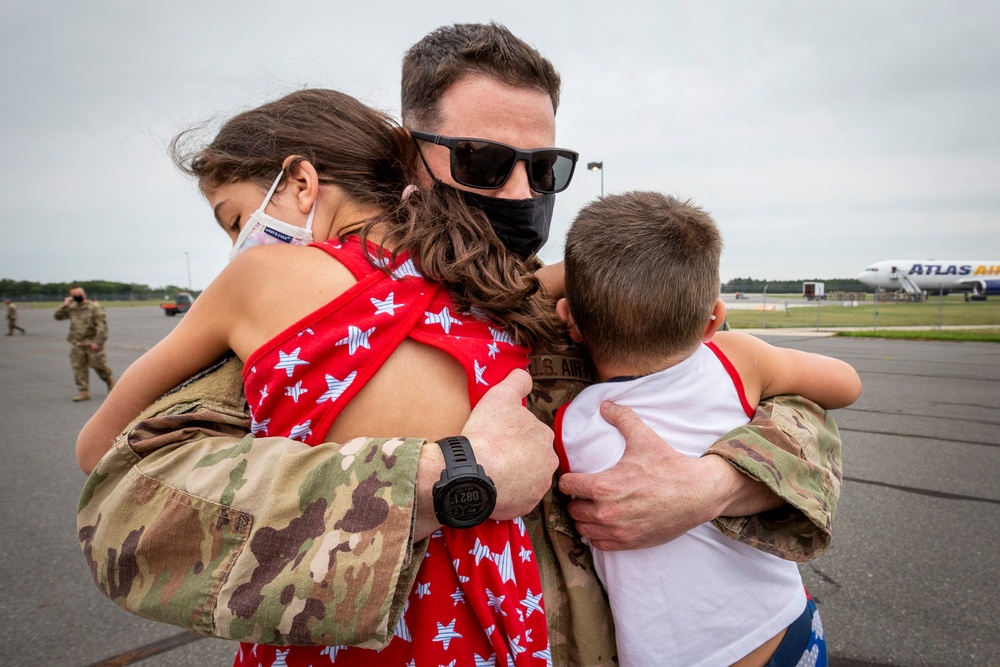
(466, 502)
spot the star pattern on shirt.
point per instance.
(305, 331)
(480, 551)
(288, 362)
(479, 372)
(263, 395)
(532, 603)
(494, 349)
(256, 426)
(443, 318)
(301, 431)
(485, 662)
(356, 338)
(387, 306)
(280, 658)
(501, 336)
(335, 388)
(458, 596)
(504, 563)
(461, 578)
(519, 522)
(332, 651)
(525, 554)
(446, 633)
(423, 589)
(495, 602)
(406, 269)
(295, 391)
(545, 655)
(515, 646)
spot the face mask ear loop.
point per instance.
(416, 144)
(312, 214)
(270, 193)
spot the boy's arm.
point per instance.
(768, 370)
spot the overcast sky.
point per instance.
(822, 136)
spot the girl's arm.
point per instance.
(778, 371)
(199, 339)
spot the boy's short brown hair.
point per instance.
(444, 56)
(642, 275)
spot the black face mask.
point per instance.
(522, 224)
(77, 298)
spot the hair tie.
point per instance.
(407, 191)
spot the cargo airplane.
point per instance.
(981, 278)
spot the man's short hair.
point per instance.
(642, 276)
(437, 61)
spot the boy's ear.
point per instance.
(562, 312)
(303, 180)
(718, 317)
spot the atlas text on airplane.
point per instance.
(980, 278)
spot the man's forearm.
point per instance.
(792, 447)
(245, 520)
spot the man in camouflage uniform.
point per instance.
(189, 517)
(12, 318)
(88, 330)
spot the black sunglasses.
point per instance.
(486, 165)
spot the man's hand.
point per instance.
(68, 300)
(652, 495)
(514, 448)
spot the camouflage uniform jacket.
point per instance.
(171, 531)
(88, 325)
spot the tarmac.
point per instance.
(910, 579)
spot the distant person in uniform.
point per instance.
(648, 312)
(88, 330)
(12, 318)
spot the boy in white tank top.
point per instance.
(642, 288)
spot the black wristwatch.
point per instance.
(464, 496)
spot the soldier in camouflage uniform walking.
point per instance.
(12, 318)
(88, 329)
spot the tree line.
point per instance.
(105, 290)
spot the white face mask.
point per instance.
(262, 229)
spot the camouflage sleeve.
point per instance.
(793, 446)
(100, 326)
(62, 312)
(190, 520)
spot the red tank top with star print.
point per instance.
(477, 596)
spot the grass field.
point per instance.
(952, 311)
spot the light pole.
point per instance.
(598, 166)
(187, 258)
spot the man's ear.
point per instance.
(718, 317)
(303, 181)
(563, 313)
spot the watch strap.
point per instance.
(458, 455)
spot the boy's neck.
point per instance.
(608, 369)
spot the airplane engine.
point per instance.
(985, 287)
